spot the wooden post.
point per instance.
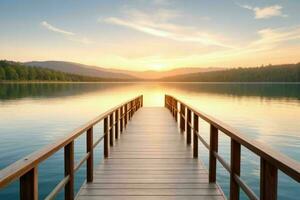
(268, 180)
(188, 127)
(90, 160)
(126, 114)
(111, 129)
(166, 101)
(176, 111)
(117, 124)
(121, 119)
(235, 163)
(142, 101)
(130, 110)
(29, 185)
(212, 158)
(195, 138)
(182, 116)
(69, 170)
(106, 138)
(174, 108)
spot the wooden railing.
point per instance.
(270, 160)
(26, 169)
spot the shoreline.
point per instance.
(105, 82)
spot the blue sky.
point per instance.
(152, 34)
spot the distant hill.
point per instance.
(79, 69)
(151, 74)
(87, 70)
(14, 71)
(270, 73)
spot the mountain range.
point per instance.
(101, 72)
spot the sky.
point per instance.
(152, 34)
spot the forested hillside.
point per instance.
(270, 73)
(14, 71)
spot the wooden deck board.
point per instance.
(151, 161)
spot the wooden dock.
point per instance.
(151, 160)
(152, 153)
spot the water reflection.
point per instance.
(44, 112)
(47, 90)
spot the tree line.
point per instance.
(14, 71)
(270, 73)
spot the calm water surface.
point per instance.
(34, 115)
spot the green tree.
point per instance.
(11, 73)
(2, 73)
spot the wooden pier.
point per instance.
(151, 154)
(151, 160)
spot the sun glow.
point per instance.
(157, 66)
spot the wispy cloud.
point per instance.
(265, 12)
(70, 35)
(160, 25)
(55, 29)
(161, 2)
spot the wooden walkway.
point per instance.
(151, 161)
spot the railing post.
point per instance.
(195, 138)
(90, 160)
(117, 123)
(106, 138)
(182, 116)
(166, 101)
(126, 114)
(188, 127)
(121, 118)
(69, 170)
(29, 185)
(130, 110)
(176, 111)
(235, 163)
(111, 129)
(213, 148)
(268, 180)
(142, 101)
(173, 107)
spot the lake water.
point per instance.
(34, 115)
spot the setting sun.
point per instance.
(157, 66)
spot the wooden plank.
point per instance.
(151, 197)
(150, 186)
(149, 191)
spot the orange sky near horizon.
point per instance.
(152, 35)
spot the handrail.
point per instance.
(271, 161)
(25, 169)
